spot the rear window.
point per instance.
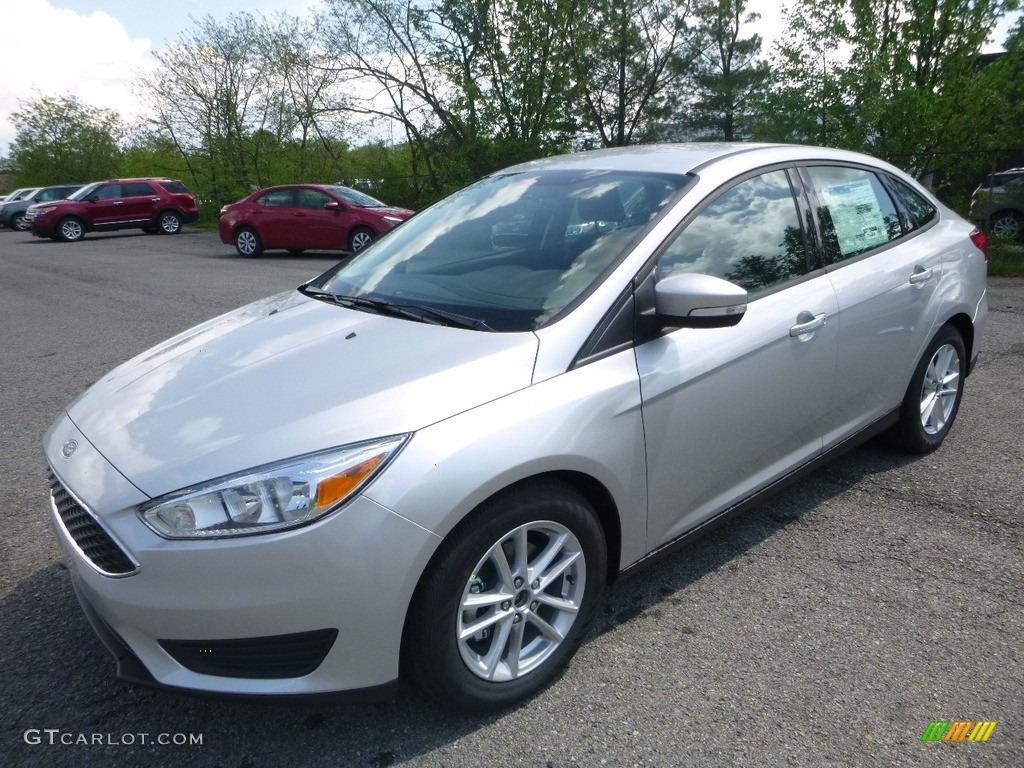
(920, 209)
(174, 187)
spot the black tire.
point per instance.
(70, 229)
(169, 222)
(933, 397)
(296, 251)
(248, 243)
(483, 671)
(18, 223)
(359, 238)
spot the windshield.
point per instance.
(357, 198)
(85, 191)
(512, 251)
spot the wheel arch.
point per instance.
(592, 490)
(965, 328)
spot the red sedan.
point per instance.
(297, 217)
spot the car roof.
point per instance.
(689, 157)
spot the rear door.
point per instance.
(885, 277)
(727, 411)
(141, 201)
(273, 216)
(315, 226)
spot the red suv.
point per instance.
(152, 205)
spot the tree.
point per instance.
(471, 86)
(62, 139)
(236, 98)
(729, 73)
(896, 78)
(628, 57)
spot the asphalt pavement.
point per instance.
(827, 627)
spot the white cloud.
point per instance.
(54, 52)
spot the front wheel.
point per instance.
(248, 243)
(169, 223)
(18, 223)
(933, 397)
(70, 229)
(508, 598)
(359, 239)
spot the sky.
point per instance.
(94, 49)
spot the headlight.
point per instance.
(273, 497)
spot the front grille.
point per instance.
(94, 542)
(264, 658)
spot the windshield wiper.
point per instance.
(408, 311)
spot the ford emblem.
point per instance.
(69, 448)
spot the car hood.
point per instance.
(286, 376)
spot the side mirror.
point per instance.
(698, 301)
(333, 205)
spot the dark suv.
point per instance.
(152, 205)
(13, 214)
(997, 204)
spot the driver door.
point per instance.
(727, 411)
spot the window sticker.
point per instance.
(856, 216)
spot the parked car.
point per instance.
(431, 459)
(298, 217)
(997, 204)
(152, 205)
(13, 214)
(15, 196)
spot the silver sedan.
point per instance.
(431, 460)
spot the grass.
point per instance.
(1006, 259)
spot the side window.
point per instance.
(856, 213)
(920, 209)
(108, 192)
(311, 198)
(138, 189)
(279, 198)
(749, 235)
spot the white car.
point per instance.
(432, 459)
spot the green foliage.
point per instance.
(61, 139)
(729, 76)
(462, 88)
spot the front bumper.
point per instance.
(348, 577)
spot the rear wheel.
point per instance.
(70, 229)
(933, 397)
(508, 598)
(248, 243)
(169, 223)
(359, 239)
(1006, 225)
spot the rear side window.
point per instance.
(921, 211)
(138, 189)
(749, 235)
(174, 187)
(278, 198)
(855, 212)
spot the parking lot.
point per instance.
(827, 627)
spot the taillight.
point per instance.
(980, 240)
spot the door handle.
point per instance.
(119, 202)
(920, 275)
(807, 326)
